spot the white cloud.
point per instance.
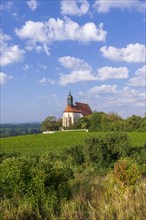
(140, 78)
(32, 4)
(103, 89)
(108, 72)
(76, 7)
(74, 63)
(33, 46)
(133, 53)
(82, 71)
(47, 80)
(9, 53)
(111, 98)
(46, 49)
(4, 78)
(40, 34)
(76, 76)
(103, 6)
(131, 97)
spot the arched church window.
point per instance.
(70, 121)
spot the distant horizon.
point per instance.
(94, 48)
(39, 122)
(27, 122)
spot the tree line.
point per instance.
(7, 130)
(100, 121)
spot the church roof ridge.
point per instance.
(72, 108)
(84, 107)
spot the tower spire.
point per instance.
(69, 91)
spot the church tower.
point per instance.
(70, 99)
(72, 112)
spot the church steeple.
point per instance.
(70, 99)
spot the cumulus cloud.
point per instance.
(76, 76)
(113, 98)
(103, 89)
(4, 78)
(76, 7)
(59, 30)
(131, 97)
(74, 63)
(9, 53)
(47, 80)
(40, 34)
(32, 4)
(38, 48)
(132, 53)
(140, 78)
(108, 72)
(82, 71)
(103, 6)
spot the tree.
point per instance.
(134, 123)
(51, 124)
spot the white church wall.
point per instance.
(70, 118)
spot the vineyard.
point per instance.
(39, 144)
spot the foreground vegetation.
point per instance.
(44, 143)
(102, 177)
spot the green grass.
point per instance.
(43, 143)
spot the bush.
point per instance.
(100, 153)
(138, 154)
(126, 172)
(39, 181)
(74, 154)
(103, 152)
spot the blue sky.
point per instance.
(95, 48)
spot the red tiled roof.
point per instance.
(72, 109)
(85, 109)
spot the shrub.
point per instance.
(40, 182)
(96, 152)
(126, 172)
(74, 154)
(104, 152)
(118, 143)
(138, 154)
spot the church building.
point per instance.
(73, 112)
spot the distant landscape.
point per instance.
(7, 130)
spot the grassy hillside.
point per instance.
(43, 143)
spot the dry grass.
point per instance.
(101, 199)
(95, 198)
